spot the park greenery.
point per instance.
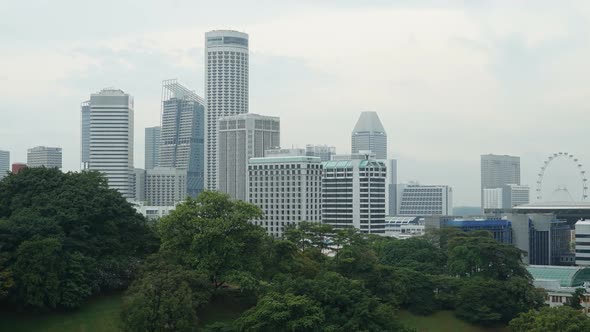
(66, 237)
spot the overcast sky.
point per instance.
(450, 80)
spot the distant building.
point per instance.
(154, 212)
(426, 200)
(583, 242)
(354, 193)
(492, 198)
(85, 134)
(111, 139)
(242, 137)
(17, 167)
(226, 88)
(182, 133)
(404, 227)
(515, 195)
(152, 147)
(288, 189)
(501, 229)
(278, 152)
(369, 135)
(4, 163)
(139, 184)
(43, 156)
(498, 171)
(324, 152)
(391, 187)
(560, 282)
(165, 186)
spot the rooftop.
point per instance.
(568, 276)
(369, 122)
(554, 206)
(350, 163)
(284, 159)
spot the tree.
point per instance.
(212, 234)
(414, 253)
(576, 299)
(165, 298)
(282, 312)
(562, 318)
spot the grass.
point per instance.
(442, 321)
(99, 315)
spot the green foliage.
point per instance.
(415, 253)
(282, 312)
(563, 318)
(64, 237)
(576, 299)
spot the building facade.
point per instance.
(152, 147)
(85, 134)
(226, 88)
(515, 195)
(369, 135)
(4, 163)
(391, 189)
(353, 194)
(44, 156)
(287, 189)
(492, 198)
(501, 229)
(242, 137)
(139, 184)
(324, 152)
(498, 171)
(583, 242)
(182, 134)
(165, 186)
(111, 138)
(426, 200)
(17, 167)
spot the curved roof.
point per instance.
(568, 276)
(554, 206)
(369, 121)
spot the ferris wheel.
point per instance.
(573, 160)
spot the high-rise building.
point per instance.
(4, 163)
(85, 134)
(492, 198)
(111, 138)
(497, 171)
(152, 147)
(583, 242)
(242, 137)
(514, 195)
(391, 187)
(324, 152)
(287, 189)
(369, 134)
(139, 184)
(226, 89)
(44, 156)
(181, 139)
(353, 193)
(426, 200)
(165, 186)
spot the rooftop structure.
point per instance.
(568, 276)
(369, 134)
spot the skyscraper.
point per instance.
(369, 134)
(497, 171)
(181, 138)
(85, 134)
(152, 147)
(242, 137)
(226, 88)
(111, 138)
(426, 200)
(4, 163)
(44, 156)
(324, 152)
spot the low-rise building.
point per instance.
(560, 282)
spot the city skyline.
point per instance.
(436, 142)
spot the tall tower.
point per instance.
(111, 138)
(226, 89)
(498, 171)
(369, 134)
(181, 137)
(152, 147)
(85, 134)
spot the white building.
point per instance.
(492, 198)
(152, 146)
(278, 152)
(153, 212)
(324, 152)
(369, 135)
(85, 134)
(4, 163)
(583, 242)
(515, 195)
(242, 137)
(182, 134)
(45, 156)
(353, 193)
(404, 227)
(165, 186)
(287, 189)
(498, 171)
(226, 88)
(111, 138)
(426, 200)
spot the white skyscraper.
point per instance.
(226, 89)
(152, 146)
(369, 135)
(4, 163)
(242, 137)
(44, 156)
(498, 171)
(111, 138)
(427, 200)
(288, 189)
(85, 134)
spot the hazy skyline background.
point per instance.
(450, 81)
